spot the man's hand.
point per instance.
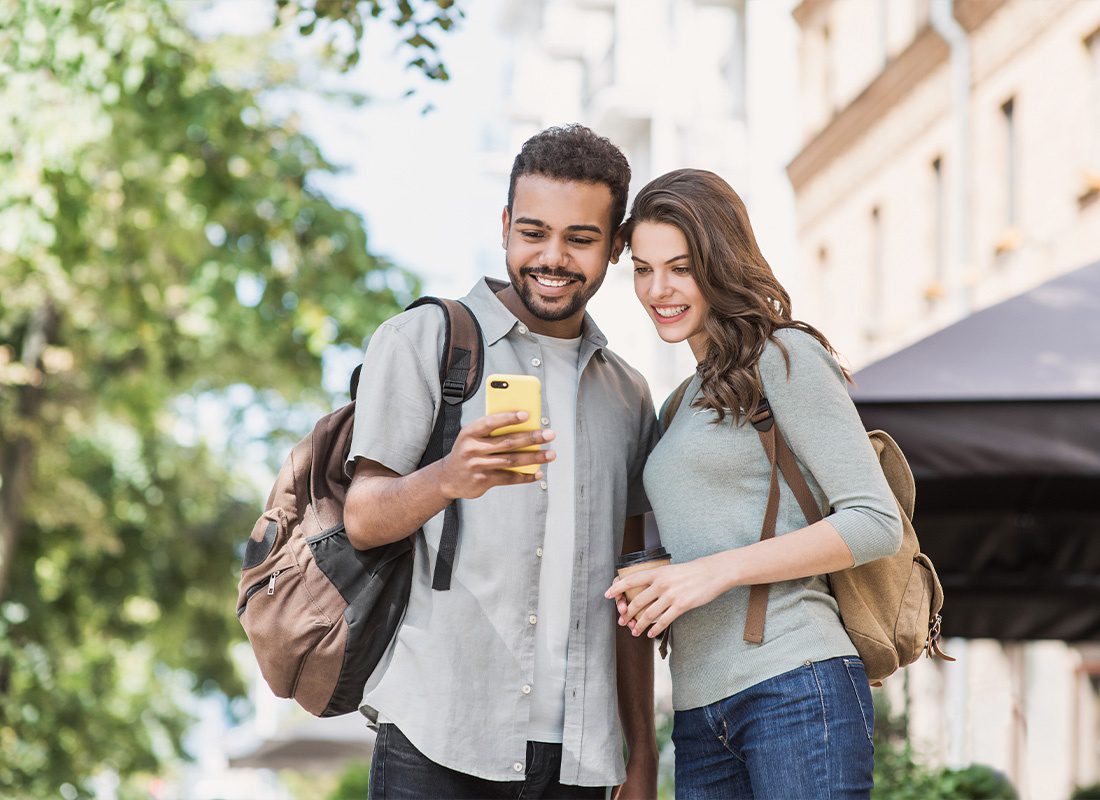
(478, 461)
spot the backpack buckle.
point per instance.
(453, 390)
(762, 418)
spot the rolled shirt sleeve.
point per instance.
(648, 435)
(398, 393)
(820, 423)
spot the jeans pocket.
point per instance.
(862, 691)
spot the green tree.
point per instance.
(159, 241)
(418, 22)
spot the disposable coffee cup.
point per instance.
(639, 561)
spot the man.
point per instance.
(505, 684)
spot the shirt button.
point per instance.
(538, 552)
(542, 485)
(526, 690)
(532, 619)
(536, 362)
(518, 767)
(546, 421)
(522, 329)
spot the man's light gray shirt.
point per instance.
(459, 675)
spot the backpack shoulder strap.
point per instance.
(674, 402)
(460, 367)
(782, 460)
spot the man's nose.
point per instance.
(553, 254)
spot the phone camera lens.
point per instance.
(499, 384)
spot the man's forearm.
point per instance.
(383, 507)
(635, 687)
(634, 670)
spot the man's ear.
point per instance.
(617, 246)
(505, 222)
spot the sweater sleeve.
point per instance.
(820, 423)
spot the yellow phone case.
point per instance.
(515, 393)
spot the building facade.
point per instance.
(670, 82)
(950, 159)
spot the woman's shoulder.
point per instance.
(793, 353)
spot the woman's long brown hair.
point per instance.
(747, 303)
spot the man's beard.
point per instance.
(564, 307)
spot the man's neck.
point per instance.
(569, 328)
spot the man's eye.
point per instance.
(531, 234)
(581, 240)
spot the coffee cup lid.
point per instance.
(641, 556)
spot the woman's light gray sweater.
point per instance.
(708, 486)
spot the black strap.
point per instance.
(460, 367)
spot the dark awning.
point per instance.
(999, 416)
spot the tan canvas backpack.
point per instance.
(890, 607)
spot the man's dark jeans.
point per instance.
(401, 772)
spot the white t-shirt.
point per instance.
(560, 357)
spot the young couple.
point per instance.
(528, 676)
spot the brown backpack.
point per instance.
(319, 613)
(890, 607)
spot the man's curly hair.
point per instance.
(575, 153)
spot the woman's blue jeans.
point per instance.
(802, 735)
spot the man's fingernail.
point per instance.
(521, 415)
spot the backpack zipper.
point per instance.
(257, 586)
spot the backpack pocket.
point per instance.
(911, 630)
(282, 621)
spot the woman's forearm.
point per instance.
(814, 550)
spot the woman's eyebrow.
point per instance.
(671, 260)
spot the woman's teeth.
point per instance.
(553, 283)
(670, 311)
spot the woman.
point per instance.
(790, 717)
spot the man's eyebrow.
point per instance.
(570, 228)
(637, 260)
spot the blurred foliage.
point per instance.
(900, 776)
(1090, 792)
(159, 240)
(354, 782)
(418, 22)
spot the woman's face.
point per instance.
(664, 284)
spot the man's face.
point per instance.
(557, 242)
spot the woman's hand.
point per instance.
(666, 593)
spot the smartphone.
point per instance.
(515, 393)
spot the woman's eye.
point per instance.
(682, 270)
(641, 270)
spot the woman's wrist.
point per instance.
(725, 571)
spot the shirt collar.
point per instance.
(496, 320)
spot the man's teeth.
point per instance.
(551, 282)
(670, 311)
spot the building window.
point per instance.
(1008, 124)
(1092, 165)
(937, 286)
(877, 282)
(883, 32)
